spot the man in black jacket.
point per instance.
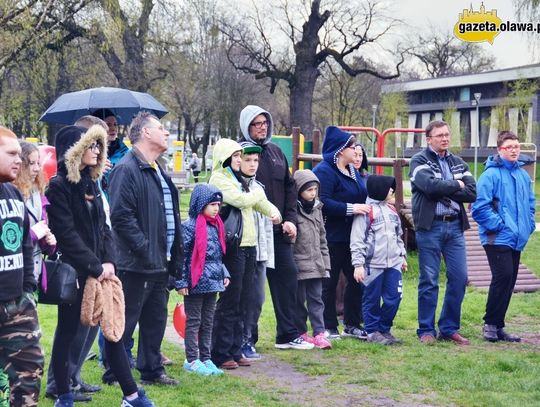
(20, 353)
(441, 183)
(145, 218)
(273, 173)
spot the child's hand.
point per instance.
(183, 291)
(359, 274)
(404, 265)
(226, 282)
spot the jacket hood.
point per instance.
(302, 177)
(223, 149)
(247, 115)
(496, 161)
(335, 140)
(379, 185)
(201, 196)
(71, 144)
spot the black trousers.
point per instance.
(228, 320)
(504, 265)
(340, 261)
(283, 283)
(68, 322)
(146, 298)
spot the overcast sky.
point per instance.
(510, 48)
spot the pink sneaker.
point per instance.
(321, 342)
(307, 338)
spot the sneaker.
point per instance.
(87, 388)
(377, 337)
(213, 368)
(64, 400)
(319, 341)
(355, 332)
(332, 334)
(77, 397)
(197, 367)
(298, 343)
(249, 351)
(307, 338)
(162, 379)
(140, 401)
(393, 340)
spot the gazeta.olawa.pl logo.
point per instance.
(483, 25)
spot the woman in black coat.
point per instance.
(77, 219)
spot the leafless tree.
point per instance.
(442, 54)
(290, 41)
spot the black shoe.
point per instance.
(88, 388)
(111, 380)
(77, 397)
(490, 333)
(505, 336)
(162, 379)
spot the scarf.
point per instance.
(201, 242)
(307, 205)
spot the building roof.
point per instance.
(500, 75)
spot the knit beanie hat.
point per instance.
(379, 185)
(308, 185)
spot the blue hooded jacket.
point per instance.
(505, 204)
(338, 191)
(214, 270)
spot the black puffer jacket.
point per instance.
(83, 237)
(138, 218)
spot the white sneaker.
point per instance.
(299, 343)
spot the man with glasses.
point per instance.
(274, 174)
(504, 211)
(145, 219)
(441, 183)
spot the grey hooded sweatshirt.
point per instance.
(376, 241)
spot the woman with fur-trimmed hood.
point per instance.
(77, 219)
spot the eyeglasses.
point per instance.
(515, 147)
(95, 146)
(259, 125)
(441, 136)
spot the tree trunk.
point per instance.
(300, 100)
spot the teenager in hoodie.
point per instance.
(273, 173)
(227, 342)
(21, 355)
(77, 219)
(378, 256)
(203, 275)
(504, 210)
(343, 193)
(312, 258)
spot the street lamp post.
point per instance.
(373, 119)
(477, 97)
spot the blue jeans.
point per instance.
(388, 286)
(444, 238)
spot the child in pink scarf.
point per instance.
(204, 275)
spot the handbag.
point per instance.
(61, 284)
(234, 226)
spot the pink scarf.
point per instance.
(201, 242)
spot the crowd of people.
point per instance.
(113, 214)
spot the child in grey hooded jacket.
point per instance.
(378, 257)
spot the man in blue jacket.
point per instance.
(504, 211)
(441, 182)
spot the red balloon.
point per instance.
(47, 158)
(179, 320)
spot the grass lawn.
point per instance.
(482, 374)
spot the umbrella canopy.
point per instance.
(124, 103)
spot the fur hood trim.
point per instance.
(73, 157)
